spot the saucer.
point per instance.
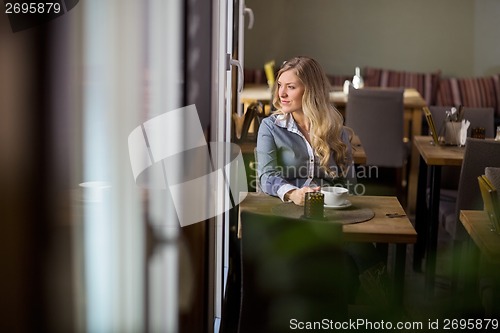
(347, 204)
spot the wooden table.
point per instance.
(427, 221)
(478, 226)
(380, 229)
(413, 104)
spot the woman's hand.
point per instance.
(298, 196)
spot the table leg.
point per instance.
(416, 129)
(435, 194)
(420, 217)
(496, 294)
(399, 273)
(416, 122)
(470, 268)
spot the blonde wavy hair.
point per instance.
(326, 122)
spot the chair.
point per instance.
(254, 112)
(478, 155)
(376, 116)
(291, 269)
(478, 117)
(269, 69)
(488, 283)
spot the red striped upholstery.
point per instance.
(470, 92)
(338, 80)
(255, 76)
(372, 76)
(425, 83)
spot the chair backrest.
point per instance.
(478, 155)
(254, 113)
(478, 117)
(376, 116)
(291, 269)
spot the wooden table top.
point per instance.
(411, 98)
(380, 228)
(477, 224)
(261, 92)
(438, 155)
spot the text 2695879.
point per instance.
(470, 324)
(32, 7)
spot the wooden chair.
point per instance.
(254, 113)
(478, 155)
(489, 284)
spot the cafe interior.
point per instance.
(111, 112)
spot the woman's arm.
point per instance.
(297, 196)
(269, 172)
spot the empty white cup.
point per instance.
(335, 195)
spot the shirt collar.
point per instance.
(286, 121)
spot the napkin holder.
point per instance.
(455, 132)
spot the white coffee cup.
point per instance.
(335, 195)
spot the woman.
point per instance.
(304, 145)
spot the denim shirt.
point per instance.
(287, 161)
